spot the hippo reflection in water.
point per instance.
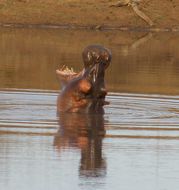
(85, 91)
(85, 133)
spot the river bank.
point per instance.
(89, 14)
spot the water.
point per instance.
(134, 145)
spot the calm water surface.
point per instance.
(134, 145)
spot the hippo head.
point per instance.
(96, 60)
(85, 91)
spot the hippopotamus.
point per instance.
(85, 92)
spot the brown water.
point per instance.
(135, 145)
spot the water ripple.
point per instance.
(128, 115)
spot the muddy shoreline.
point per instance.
(93, 15)
(92, 27)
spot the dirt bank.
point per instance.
(85, 13)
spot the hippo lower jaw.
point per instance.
(65, 74)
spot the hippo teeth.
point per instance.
(66, 70)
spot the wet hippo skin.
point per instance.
(85, 91)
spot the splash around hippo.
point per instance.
(85, 92)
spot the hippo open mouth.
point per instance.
(85, 90)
